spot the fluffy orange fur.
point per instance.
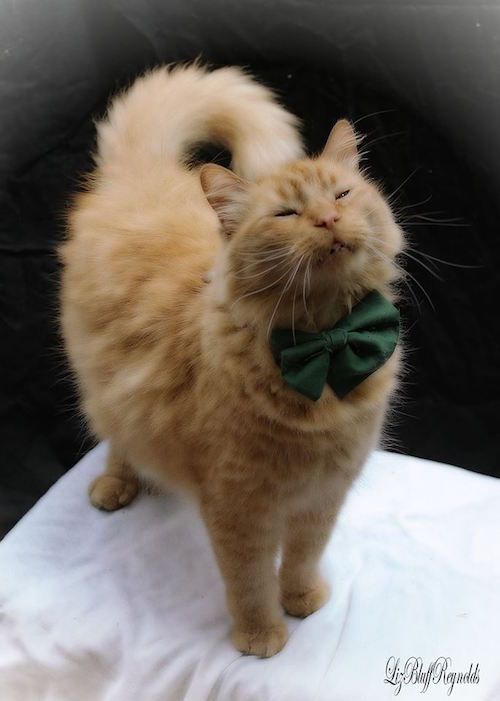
(174, 278)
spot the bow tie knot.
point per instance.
(334, 340)
(342, 357)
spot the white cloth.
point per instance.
(129, 606)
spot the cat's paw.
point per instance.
(262, 643)
(303, 603)
(111, 493)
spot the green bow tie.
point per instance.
(344, 356)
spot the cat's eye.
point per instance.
(342, 194)
(285, 213)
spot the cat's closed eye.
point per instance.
(286, 213)
(342, 194)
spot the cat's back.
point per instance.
(133, 271)
(129, 249)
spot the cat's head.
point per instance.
(303, 244)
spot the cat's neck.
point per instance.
(319, 307)
(312, 313)
(257, 321)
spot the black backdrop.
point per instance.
(420, 81)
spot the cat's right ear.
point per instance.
(225, 193)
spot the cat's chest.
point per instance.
(284, 445)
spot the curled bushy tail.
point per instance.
(169, 109)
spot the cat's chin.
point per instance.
(333, 258)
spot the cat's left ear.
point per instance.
(225, 192)
(342, 144)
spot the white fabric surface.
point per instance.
(129, 606)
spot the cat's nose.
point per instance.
(329, 220)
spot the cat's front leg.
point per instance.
(303, 590)
(245, 537)
(117, 486)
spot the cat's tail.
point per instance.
(170, 109)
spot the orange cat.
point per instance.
(174, 279)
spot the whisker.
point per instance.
(286, 287)
(261, 272)
(304, 286)
(293, 313)
(408, 177)
(417, 204)
(253, 262)
(404, 274)
(262, 289)
(409, 288)
(265, 256)
(372, 114)
(270, 249)
(436, 223)
(447, 262)
(369, 144)
(430, 270)
(432, 219)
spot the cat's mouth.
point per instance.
(338, 246)
(337, 249)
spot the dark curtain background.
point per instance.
(421, 80)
